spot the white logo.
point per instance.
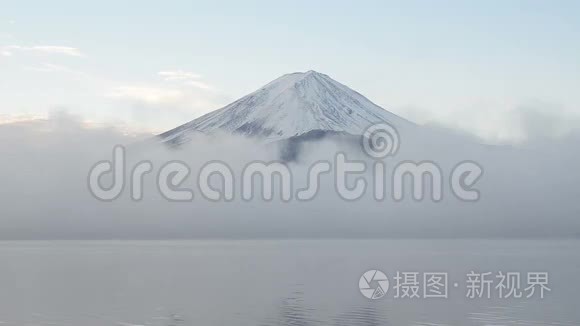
(382, 284)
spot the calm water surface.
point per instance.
(270, 282)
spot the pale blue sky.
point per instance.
(153, 65)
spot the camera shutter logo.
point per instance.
(373, 284)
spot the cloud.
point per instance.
(148, 95)
(185, 78)
(199, 84)
(19, 118)
(46, 67)
(502, 123)
(178, 75)
(9, 50)
(45, 195)
(173, 98)
(163, 107)
(180, 92)
(540, 122)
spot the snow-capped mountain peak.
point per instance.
(292, 105)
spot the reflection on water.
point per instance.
(512, 315)
(293, 312)
(268, 283)
(362, 316)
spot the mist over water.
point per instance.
(526, 191)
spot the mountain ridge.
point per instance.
(289, 106)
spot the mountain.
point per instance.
(300, 104)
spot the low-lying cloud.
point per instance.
(530, 190)
(504, 124)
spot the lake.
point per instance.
(279, 282)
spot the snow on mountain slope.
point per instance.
(289, 106)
